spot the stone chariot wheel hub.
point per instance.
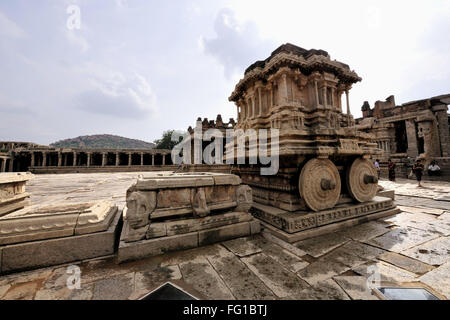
(362, 180)
(319, 184)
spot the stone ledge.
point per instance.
(44, 253)
(305, 234)
(157, 246)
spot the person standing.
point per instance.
(377, 165)
(391, 168)
(418, 170)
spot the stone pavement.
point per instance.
(411, 248)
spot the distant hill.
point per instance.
(103, 141)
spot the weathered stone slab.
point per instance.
(44, 253)
(283, 244)
(223, 233)
(64, 293)
(284, 257)
(365, 231)
(435, 252)
(432, 211)
(406, 263)
(56, 221)
(281, 281)
(201, 275)
(321, 270)
(384, 272)
(155, 276)
(152, 247)
(116, 288)
(439, 279)
(324, 290)
(318, 246)
(400, 239)
(243, 283)
(242, 246)
(356, 287)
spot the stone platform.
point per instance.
(295, 226)
(57, 234)
(175, 211)
(12, 191)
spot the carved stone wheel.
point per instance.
(319, 184)
(362, 180)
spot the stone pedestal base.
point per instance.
(186, 234)
(91, 241)
(292, 227)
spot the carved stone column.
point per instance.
(260, 101)
(333, 92)
(74, 159)
(142, 158)
(59, 159)
(324, 90)
(88, 159)
(411, 137)
(103, 159)
(117, 159)
(3, 168)
(44, 159)
(129, 159)
(316, 93)
(32, 159)
(442, 119)
(11, 165)
(153, 159)
(253, 107)
(348, 102)
(164, 159)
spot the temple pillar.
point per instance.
(271, 97)
(88, 159)
(11, 165)
(103, 159)
(238, 115)
(333, 92)
(163, 159)
(3, 168)
(74, 164)
(316, 93)
(348, 102)
(324, 90)
(129, 159)
(442, 119)
(260, 101)
(142, 158)
(117, 159)
(253, 107)
(153, 159)
(44, 159)
(32, 159)
(411, 137)
(59, 159)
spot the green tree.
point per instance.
(166, 141)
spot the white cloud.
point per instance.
(236, 45)
(9, 28)
(116, 94)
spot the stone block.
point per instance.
(152, 247)
(223, 233)
(255, 227)
(43, 253)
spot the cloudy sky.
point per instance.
(138, 67)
